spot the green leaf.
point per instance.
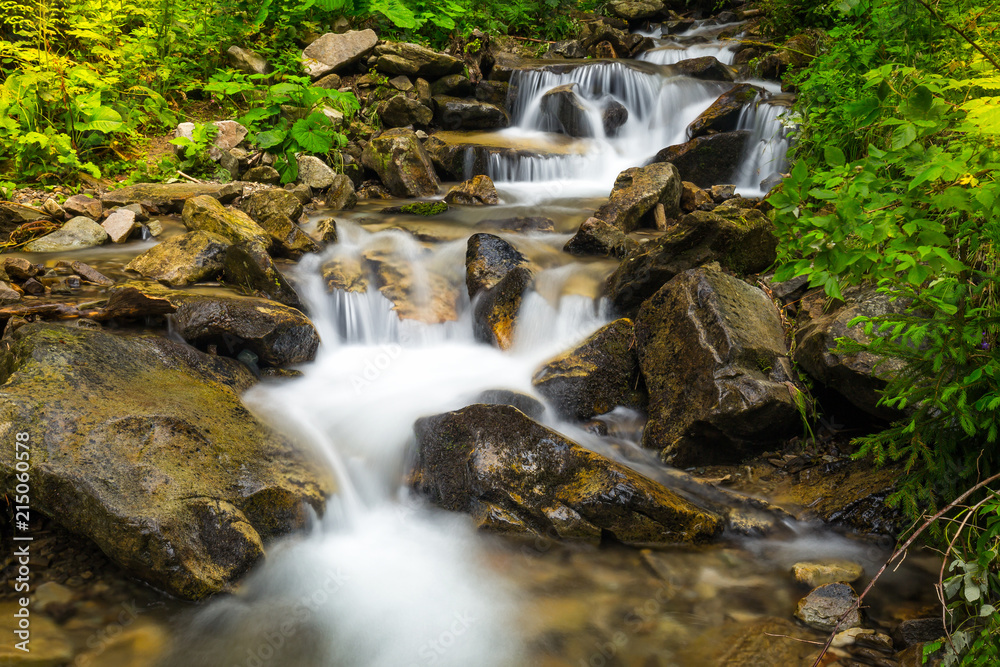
(834, 156)
(903, 136)
(313, 133)
(103, 119)
(270, 138)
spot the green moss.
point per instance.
(425, 208)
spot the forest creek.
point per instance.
(506, 381)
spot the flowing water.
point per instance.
(382, 580)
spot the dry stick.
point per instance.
(532, 39)
(961, 34)
(894, 556)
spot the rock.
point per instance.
(170, 196)
(229, 136)
(694, 198)
(277, 334)
(247, 61)
(236, 161)
(488, 259)
(423, 91)
(133, 647)
(300, 191)
(637, 191)
(745, 244)
(494, 92)
(14, 215)
(137, 210)
(288, 237)
(89, 273)
(453, 113)
(724, 114)
(414, 60)
(8, 294)
(613, 117)
(315, 173)
(183, 260)
(373, 190)
(518, 224)
(477, 191)
(273, 202)
(722, 192)
(829, 572)
(403, 111)
(205, 213)
(596, 376)
(708, 160)
(52, 207)
(567, 48)
(495, 314)
(333, 52)
(824, 606)
(120, 225)
(399, 159)
(329, 82)
(421, 208)
(249, 267)
(760, 642)
(461, 155)
(713, 355)
(529, 405)
(706, 68)
(33, 287)
(78, 233)
(492, 460)
(341, 196)
(84, 205)
(401, 83)
(200, 484)
(918, 631)
(425, 296)
(20, 268)
(264, 174)
(50, 593)
(453, 85)
(49, 645)
(566, 112)
(326, 232)
(632, 10)
(597, 237)
(861, 377)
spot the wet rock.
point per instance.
(421, 208)
(495, 314)
(414, 60)
(402, 111)
(597, 237)
(264, 174)
(828, 572)
(50, 645)
(230, 134)
(826, 604)
(636, 193)
(492, 459)
(346, 273)
(767, 642)
(706, 68)
(247, 61)
(183, 260)
(249, 267)
(724, 114)
(288, 237)
(453, 85)
(494, 92)
(529, 405)
(8, 294)
(595, 377)
(477, 191)
(694, 198)
(713, 355)
(273, 202)
(488, 259)
(315, 173)
(14, 215)
(333, 52)
(52, 207)
(613, 117)
(518, 224)
(199, 483)
(133, 647)
(632, 10)
(745, 244)
(373, 190)
(206, 214)
(84, 205)
(567, 48)
(277, 334)
(861, 377)
(33, 287)
(399, 159)
(326, 232)
(454, 113)
(89, 273)
(20, 268)
(423, 296)
(300, 191)
(78, 233)
(341, 195)
(918, 631)
(120, 225)
(722, 192)
(708, 160)
(170, 196)
(401, 83)
(566, 111)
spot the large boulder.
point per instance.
(415, 60)
(247, 61)
(334, 52)
(515, 475)
(708, 160)
(206, 214)
(477, 191)
(84, 205)
(637, 191)
(341, 195)
(597, 237)
(724, 114)
(249, 267)
(78, 233)
(169, 197)
(401, 111)
(272, 202)
(142, 445)
(596, 376)
(632, 10)
(495, 315)
(454, 113)
(399, 159)
(488, 258)
(566, 111)
(183, 260)
(744, 243)
(288, 237)
(706, 68)
(713, 354)
(861, 377)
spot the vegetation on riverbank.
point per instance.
(895, 183)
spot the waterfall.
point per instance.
(767, 146)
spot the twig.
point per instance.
(896, 554)
(991, 59)
(768, 45)
(532, 39)
(190, 178)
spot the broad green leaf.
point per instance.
(103, 119)
(270, 138)
(834, 156)
(313, 133)
(903, 136)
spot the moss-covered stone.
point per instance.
(182, 260)
(724, 114)
(597, 237)
(205, 213)
(421, 208)
(399, 159)
(636, 193)
(289, 239)
(507, 471)
(248, 266)
(142, 445)
(272, 202)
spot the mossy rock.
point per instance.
(142, 445)
(421, 208)
(183, 260)
(401, 162)
(636, 193)
(248, 266)
(724, 113)
(170, 196)
(204, 213)
(600, 238)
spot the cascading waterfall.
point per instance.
(767, 146)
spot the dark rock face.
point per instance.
(488, 259)
(596, 376)
(724, 113)
(515, 475)
(708, 160)
(399, 159)
(613, 117)
(706, 68)
(713, 355)
(184, 259)
(477, 191)
(743, 242)
(401, 111)
(454, 113)
(495, 315)
(453, 85)
(566, 111)
(636, 193)
(143, 446)
(249, 267)
(597, 237)
(415, 60)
